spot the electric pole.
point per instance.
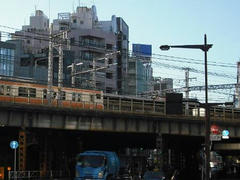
(187, 91)
(50, 66)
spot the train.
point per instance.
(28, 91)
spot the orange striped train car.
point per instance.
(26, 91)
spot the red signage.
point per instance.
(215, 129)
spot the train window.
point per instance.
(63, 95)
(32, 92)
(22, 91)
(73, 96)
(54, 95)
(91, 98)
(8, 90)
(98, 96)
(44, 94)
(2, 90)
(79, 98)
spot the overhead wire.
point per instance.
(227, 65)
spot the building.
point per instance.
(36, 35)
(7, 58)
(162, 84)
(120, 28)
(90, 40)
(35, 66)
(90, 45)
(140, 70)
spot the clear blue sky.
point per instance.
(158, 22)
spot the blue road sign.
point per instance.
(225, 133)
(14, 144)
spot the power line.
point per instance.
(169, 58)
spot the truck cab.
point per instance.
(97, 165)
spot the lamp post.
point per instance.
(204, 47)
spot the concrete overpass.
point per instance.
(29, 116)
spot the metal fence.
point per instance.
(34, 175)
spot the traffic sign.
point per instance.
(14, 144)
(225, 134)
(215, 129)
(215, 137)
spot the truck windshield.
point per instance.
(91, 161)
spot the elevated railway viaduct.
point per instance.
(51, 136)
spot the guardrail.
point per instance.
(37, 174)
(132, 105)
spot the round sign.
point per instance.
(14, 144)
(225, 133)
(215, 129)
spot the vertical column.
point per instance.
(238, 85)
(60, 71)
(187, 91)
(50, 66)
(43, 157)
(159, 147)
(94, 74)
(22, 150)
(73, 75)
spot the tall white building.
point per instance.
(90, 40)
(38, 22)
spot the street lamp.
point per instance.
(204, 47)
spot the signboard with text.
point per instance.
(215, 137)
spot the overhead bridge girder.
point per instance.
(227, 146)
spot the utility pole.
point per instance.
(73, 77)
(94, 74)
(60, 68)
(187, 91)
(50, 65)
(60, 37)
(238, 85)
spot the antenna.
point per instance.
(49, 11)
(73, 6)
(79, 3)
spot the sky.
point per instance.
(159, 22)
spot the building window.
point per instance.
(22, 91)
(110, 61)
(81, 22)
(79, 97)
(109, 90)
(98, 96)
(63, 95)
(8, 91)
(74, 20)
(7, 57)
(91, 98)
(73, 96)
(72, 41)
(32, 92)
(132, 65)
(109, 75)
(109, 46)
(2, 90)
(44, 94)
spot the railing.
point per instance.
(134, 105)
(37, 174)
(126, 104)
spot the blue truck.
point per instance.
(102, 165)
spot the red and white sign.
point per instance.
(215, 129)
